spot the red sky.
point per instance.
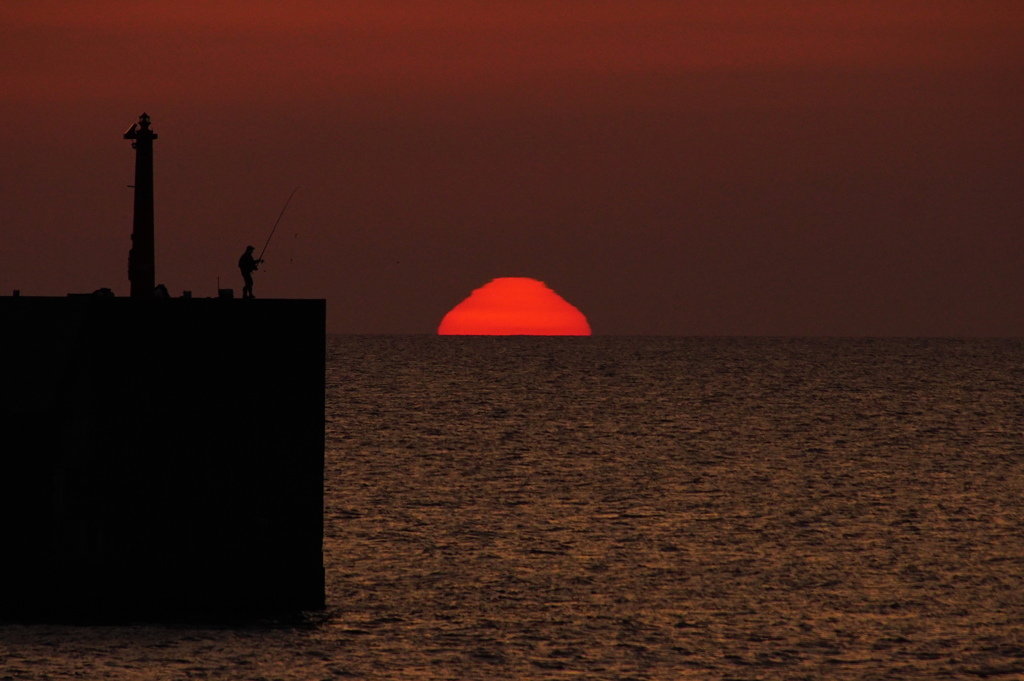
(692, 168)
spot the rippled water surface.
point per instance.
(640, 508)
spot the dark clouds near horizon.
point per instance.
(733, 168)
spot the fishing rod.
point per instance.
(260, 259)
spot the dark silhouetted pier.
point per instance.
(160, 458)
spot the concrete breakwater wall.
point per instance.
(161, 457)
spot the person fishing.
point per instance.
(248, 264)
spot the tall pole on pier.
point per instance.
(141, 257)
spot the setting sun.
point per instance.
(514, 306)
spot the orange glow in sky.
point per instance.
(514, 306)
(733, 168)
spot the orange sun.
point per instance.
(514, 306)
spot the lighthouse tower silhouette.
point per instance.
(141, 258)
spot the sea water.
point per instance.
(639, 508)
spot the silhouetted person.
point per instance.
(248, 265)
